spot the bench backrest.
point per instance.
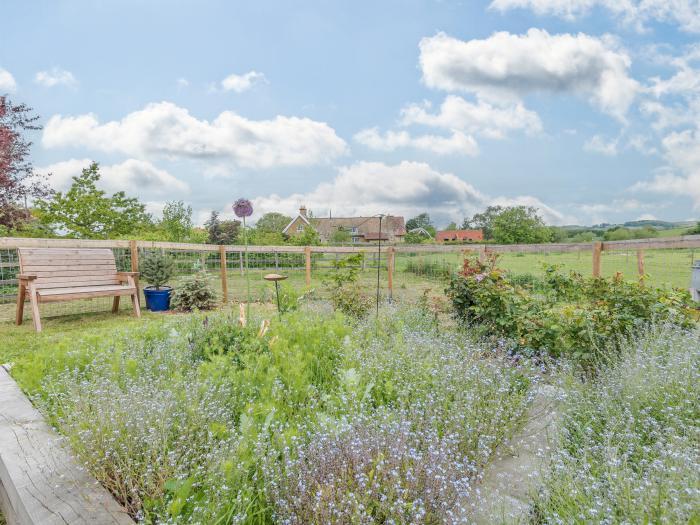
(68, 267)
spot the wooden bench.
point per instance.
(63, 274)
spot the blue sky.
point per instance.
(587, 109)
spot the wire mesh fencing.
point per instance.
(402, 272)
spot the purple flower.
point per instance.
(479, 277)
(243, 208)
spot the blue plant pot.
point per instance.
(157, 300)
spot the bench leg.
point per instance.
(135, 302)
(34, 300)
(21, 293)
(115, 304)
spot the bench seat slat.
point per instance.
(83, 292)
(77, 283)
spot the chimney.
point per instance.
(302, 210)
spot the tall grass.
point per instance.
(630, 450)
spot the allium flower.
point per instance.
(243, 208)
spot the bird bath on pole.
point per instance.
(276, 278)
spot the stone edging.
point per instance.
(40, 482)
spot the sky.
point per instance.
(587, 109)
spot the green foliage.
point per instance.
(340, 236)
(156, 268)
(416, 237)
(86, 212)
(346, 295)
(266, 238)
(483, 221)
(309, 237)
(194, 293)
(695, 230)
(620, 233)
(520, 225)
(421, 221)
(177, 221)
(562, 315)
(272, 222)
(429, 268)
(221, 232)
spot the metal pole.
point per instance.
(379, 261)
(277, 291)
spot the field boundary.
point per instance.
(40, 482)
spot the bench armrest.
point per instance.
(26, 277)
(124, 276)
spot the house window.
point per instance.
(353, 230)
(355, 239)
(300, 228)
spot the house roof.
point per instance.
(326, 226)
(299, 216)
(447, 235)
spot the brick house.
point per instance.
(360, 229)
(460, 236)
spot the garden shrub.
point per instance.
(564, 314)
(156, 269)
(430, 268)
(346, 295)
(630, 448)
(194, 293)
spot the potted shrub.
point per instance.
(156, 270)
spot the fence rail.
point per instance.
(405, 269)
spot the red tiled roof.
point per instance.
(460, 235)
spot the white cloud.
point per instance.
(506, 66)
(55, 77)
(685, 13)
(241, 83)
(478, 118)
(135, 177)
(457, 143)
(167, 129)
(182, 82)
(7, 81)
(601, 145)
(407, 188)
(549, 214)
(682, 149)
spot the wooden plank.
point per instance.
(640, 263)
(224, 279)
(68, 273)
(84, 289)
(307, 264)
(41, 482)
(134, 252)
(73, 252)
(84, 295)
(72, 284)
(32, 268)
(26, 242)
(597, 249)
(82, 261)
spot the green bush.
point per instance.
(570, 315)
(351, 300)
(156, 269)
(194, 293)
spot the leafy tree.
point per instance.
(421, 221)
(415, 238)
(340, 236)
(520, 224)
(310, 237)
(620, 233)
(272, 222)
(695, 230)
(484, 221)
(263, 238)
(230, 231)
(176, 221)
(221, 232)
(18, 181)
(452, 226)
(86, 212)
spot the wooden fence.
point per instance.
(225, 254)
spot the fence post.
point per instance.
(224, 281)
(597, 250)
(390, 270)
(134, 249)
(482, 254)
(307, 254)
(640, 263)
